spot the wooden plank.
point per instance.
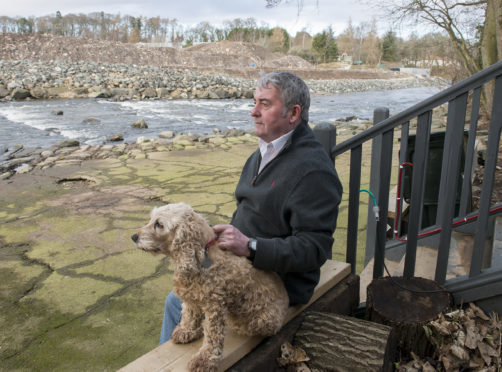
(175, 357)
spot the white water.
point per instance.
(33, 124)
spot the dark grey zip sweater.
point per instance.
(291, 209)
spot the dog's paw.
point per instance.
(182, 335)
(203, 361)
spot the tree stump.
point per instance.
(406, 304)
(341, 343)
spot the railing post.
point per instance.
(417, 190)
(379, 114)
(325, 133)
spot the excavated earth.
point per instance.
(236, 58)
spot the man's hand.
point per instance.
(231, 239)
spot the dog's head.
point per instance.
(176, 231)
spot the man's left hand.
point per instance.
(231, 239)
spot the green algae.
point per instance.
(75, 293)
(71, 294)
(128, 265)
(61, 254)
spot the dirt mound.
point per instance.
(234, 58)
(223, 55)
(69, 49)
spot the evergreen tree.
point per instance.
(389, 46)
(325, 47)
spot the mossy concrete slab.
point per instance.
(75, 293)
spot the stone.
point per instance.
(69, 143)
(166, 134)
(57, 112)
(20, 94)
(4, 92)
(116, 137)
(38, 93)
(91, 121)
(149, 93)
(140, 124)
(141, 140)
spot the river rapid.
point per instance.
(35, 123)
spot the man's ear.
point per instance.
(296, 112)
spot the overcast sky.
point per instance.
(190, 12)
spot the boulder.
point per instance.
(166, 134)
(116, 137)
(149, 93)
(38, 93)
(141, 124)
(69, 143)
(141, 140)
(57, 112)
(20, 94)
(4, 92)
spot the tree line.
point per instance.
(360, 42)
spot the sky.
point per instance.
(315, 16)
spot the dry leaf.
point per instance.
(428, 368)
(459, 352)
(472, 338)
(291, 355)
(479, 312)
(440, 328)
(460, 338)
(486, 352)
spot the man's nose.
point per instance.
(255, 112)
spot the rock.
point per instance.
(20, 94)
(57, 112)
(47, 153)
(176, 94)
(249, 94)
(116, 137)
(83, 92)
(91, 120)
(221, 93)
(3, 92)
(166, 134)
(101, 94)
(141, 124)
(14, 85)
(149, 93)
(141, 140)
(69, 143)
(212, 95)
(38, 93)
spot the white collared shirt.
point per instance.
(276, 147)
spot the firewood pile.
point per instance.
(464, 339)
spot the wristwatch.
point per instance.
(252, 248)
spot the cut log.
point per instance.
(407, 304)
(341, 343)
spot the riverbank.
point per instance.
(24, 80)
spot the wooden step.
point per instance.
(175, 357)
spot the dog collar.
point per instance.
(211, 242)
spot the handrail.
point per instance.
(381, 134)
(438, 99)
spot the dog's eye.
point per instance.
(158, 225)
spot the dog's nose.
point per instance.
(135, 238)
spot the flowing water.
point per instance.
(34, 123)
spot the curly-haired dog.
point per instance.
(230, 291)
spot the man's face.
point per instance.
(269, 121)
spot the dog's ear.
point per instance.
(187, 247)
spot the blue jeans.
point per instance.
(172, 317)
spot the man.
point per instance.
(287, 195)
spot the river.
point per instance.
(34, 123)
